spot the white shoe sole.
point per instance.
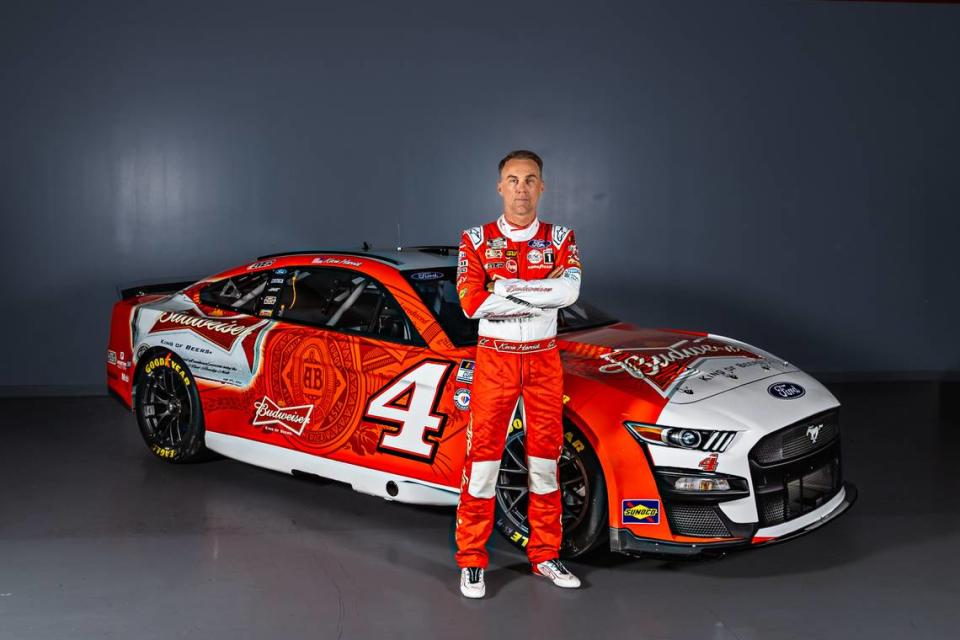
(470, 593)
(562, 585)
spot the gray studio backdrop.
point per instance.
(785, 173)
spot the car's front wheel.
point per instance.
(168, 408)
(583, 493)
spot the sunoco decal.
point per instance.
(641, 511)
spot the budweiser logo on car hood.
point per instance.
(680, 366)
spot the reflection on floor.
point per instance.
(99, 539)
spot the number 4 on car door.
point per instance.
(407, 405)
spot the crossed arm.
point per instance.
(505, 298)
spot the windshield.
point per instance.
(437, 289)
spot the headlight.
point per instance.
(688, 483)
(699, 439)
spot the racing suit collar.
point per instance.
(515, 234)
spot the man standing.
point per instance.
(513, 274)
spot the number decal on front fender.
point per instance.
(408, 404)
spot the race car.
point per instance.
(357, 366)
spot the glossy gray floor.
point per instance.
(100, 540)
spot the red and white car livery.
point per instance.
(359, 366)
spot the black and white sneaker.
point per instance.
(557, 573)
(471, 582)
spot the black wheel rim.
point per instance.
(167, 410)
(513, 493)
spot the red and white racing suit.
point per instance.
(516, 356)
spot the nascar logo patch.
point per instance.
(641, 511)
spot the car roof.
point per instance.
(403, 258)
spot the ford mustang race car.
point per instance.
(358, 367)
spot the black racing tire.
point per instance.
(168, 408)
(583, 493)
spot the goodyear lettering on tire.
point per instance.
(169, 363)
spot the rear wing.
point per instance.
(152, 287)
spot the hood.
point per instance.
(677, 367)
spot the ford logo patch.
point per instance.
(426, 275)
(538, 244)
(786, 390)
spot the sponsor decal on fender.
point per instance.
(169, 363)
(224, 333)
(293, 419)
(260, 265)
(641, 511)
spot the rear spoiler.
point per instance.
(151, 287)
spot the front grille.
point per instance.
(791, 489)
(696, 520)
(797, 440)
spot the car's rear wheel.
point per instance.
(583, 493)
(168, 408)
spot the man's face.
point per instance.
(520, 186)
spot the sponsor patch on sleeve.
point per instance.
(476, 236)
(558, 235)
(641, 511)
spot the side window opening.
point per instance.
(239, 293)
(345, 301)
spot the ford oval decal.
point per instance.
(786, 390)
